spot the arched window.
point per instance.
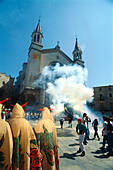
(34, 37)
(38, 38)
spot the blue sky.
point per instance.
(61, 20)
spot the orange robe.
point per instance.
(6, 144)
(47, 141)
(26, 155)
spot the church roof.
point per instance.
(51, 50)
(38, 28)
(76, 46)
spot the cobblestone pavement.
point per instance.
(95, 159)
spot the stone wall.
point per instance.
(6, 86)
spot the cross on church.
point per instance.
(58, 43)
(39, 18)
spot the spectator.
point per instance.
(110, 137)
(61, 122)
(84, 121)
(87, 122)
(70, 122)
(104, 133)
(82, 129)
(95, 125)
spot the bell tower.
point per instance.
(37, 36)
(77, 54)
(34, 56)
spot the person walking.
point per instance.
(81, 129)
(95, 125)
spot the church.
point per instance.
(38, 58)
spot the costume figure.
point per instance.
(47, 140)
(25, 151)
(6, 144)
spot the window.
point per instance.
(109, 88)
(38, 38)
(110, 94)
(100, 89)
(34, 37)
(101, 96)
(3, 82)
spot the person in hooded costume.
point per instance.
(25, 151)
(6, 143)
(47, 141)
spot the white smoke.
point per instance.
(65, 84)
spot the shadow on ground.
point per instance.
(101, 156)
(64, 133)
(74, 144)
(69, 156)
(99, 151)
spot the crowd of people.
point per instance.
(24, 147)
(82, 130)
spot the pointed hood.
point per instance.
(18, 111)
(46, 113)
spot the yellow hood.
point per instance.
(46, 113)
(18, 111)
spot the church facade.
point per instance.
(38, 58)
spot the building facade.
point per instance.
(6, 86)
(103, 99)
(38, 58)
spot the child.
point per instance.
(82, 128)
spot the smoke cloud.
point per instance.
(65, 84)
